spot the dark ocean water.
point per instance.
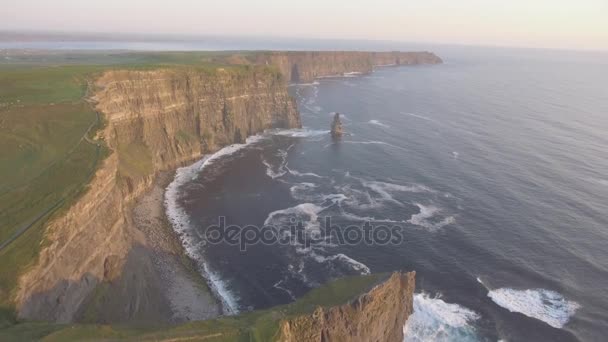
(493, 164)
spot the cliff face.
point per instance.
(156, 120)
(306, 66)
(378, 315)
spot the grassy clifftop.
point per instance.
(260, 325)
(48, 151)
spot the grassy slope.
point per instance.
(254, 326)
(44, 162)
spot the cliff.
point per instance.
(378, 315)
(155, 120)
(305, 66)
(360, 308)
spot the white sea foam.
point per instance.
(281, 218)
(419, 116)
(455, 155)
(426, 212)
(303, 174)
(298, 132)
(545, 305)
(315, 83)
(354, 217)
(435, 320)
(378, 123)
(281, 169)
(352, 263)
(278, 285)
(305, 192)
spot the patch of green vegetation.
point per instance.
(259, 325)
(134, 160)
(184, 137)
(45, 160)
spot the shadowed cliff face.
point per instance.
(378, 315)
(156, 120)
(306, 66)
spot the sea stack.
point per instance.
(336, 127)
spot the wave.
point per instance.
(314, 83)
(419, 116)
(384, 189)
(378, 123)
(435, 320)
(281, 169)
(426, 212)
(545, 305)
(297, 132)
(283, 218)
(305, 192)
(357, 218)
(303, 174)
(341, 257)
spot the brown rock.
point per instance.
(377, 316)
(336, 127)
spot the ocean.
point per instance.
(492, 166)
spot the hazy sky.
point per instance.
(537, 23)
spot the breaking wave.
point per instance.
(435, 320)
(298, 132)
(423, 218)
(378, 123)
(545, 305)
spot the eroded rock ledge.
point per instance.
(378, 315)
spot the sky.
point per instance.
(573, 24)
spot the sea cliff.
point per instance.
(305, 66)
(155, 120)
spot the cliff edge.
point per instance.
(370, 308)
(156, 120)
(378, 315)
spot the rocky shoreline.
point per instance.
(158, 282)
(184, 288)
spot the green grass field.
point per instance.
(45, 162)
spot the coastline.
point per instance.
(185, 290)
(158, 282)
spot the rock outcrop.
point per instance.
(336, 127)
(305, 66)
(156, 120)
(378, 315)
